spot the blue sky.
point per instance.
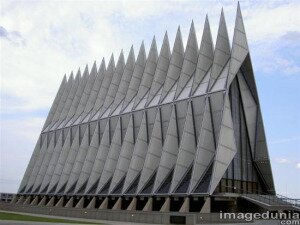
(43, 40)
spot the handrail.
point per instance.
(268, 198)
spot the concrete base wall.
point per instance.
(113, 215)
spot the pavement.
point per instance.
(106, 222)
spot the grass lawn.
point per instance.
(20, 217)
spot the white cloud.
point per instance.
(297, 165)
(285, 140)
(283, 161)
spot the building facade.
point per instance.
(171, 131)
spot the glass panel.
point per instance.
(69, 122)
(142, 103)
(118, 109)
(106, 114)
(171, 94)
(156, 99)
(185, 93)
(129, 107)
(203, 85)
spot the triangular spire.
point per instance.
(115, 82)
(68, 162)
(139, 154)
(206, 55)
(61, 103)
(45, 163)
(100, 158)
(261, 156)
(52, 163)
(88, 163)
(153, 154)
(94, 69)
(148, 73)
(104, 85)
(102, 67)
(59, 161)
(94, 90)
(222, 51)
(250, 110)
(86, 70)
(176, 61)
(161, 69)
(78, 162)
(136, 77)
(189, 62)
(169, 153)
(239, 46)
(187, 149)
(125, 155)
(125, 80)
(112, 157)
(205, 149)
(226, 147)
(37, 165)
(130, 59)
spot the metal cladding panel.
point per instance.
(175, 66)
(30, 166)
(261, 155)
(216, 104)
(79, 160)
(104, 86)
(206, 54)
(56, 101)
(181, 110)
(69, 101)
(125, 156)
(151, 115)
(101, 157)
(153, 154)
(226, 147)
(59, 164)
(94, 93)
(139, 154)
(222, 51)
(61, 102)
(161, 69)
(86, 93)
(54, 157)
(44, 164)
(198, 107)
(137, 75)
(165, 112)
(113, 87)
(186, 91)
(239, 46)
(112, 158)
(69, 161)
(202, 88)
(169, 152)
(187, 149)
(89, 160)
(189, 61)
(125, 80)
(148, 74)
(77, 98)
(220, 83)
(37, 165)
(250, 109)
(205, 147)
